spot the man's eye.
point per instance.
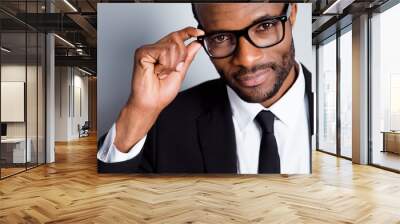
(220, 38)
(265, 26)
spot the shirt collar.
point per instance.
(284, 109)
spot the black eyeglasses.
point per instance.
(262, 34)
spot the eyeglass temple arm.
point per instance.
(288, 9)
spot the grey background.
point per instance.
(123, 27)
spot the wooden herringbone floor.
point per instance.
(70, 191)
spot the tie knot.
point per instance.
(266, 120)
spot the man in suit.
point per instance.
(257, 118)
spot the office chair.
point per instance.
(84, 130)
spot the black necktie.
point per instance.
(268, 161)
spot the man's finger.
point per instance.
(185, 34)
(192, 50)
(190, 32)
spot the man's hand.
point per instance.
(159, 70)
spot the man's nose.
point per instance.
(247, 55)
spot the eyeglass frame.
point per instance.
(245, 32)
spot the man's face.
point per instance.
(256, 74)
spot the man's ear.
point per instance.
(293, 13)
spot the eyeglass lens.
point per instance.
(263, 34)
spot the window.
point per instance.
(385, 89)
(327, 96)
(346, 93)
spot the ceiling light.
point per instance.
(70, 5)
(337, 7)
(5, 50)
(65, 41)
(84, 71)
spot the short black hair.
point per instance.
(194, 11)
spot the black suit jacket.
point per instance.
(194, 134)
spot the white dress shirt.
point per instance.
(291, 129)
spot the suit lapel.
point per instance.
(217, 134)
(310, 98)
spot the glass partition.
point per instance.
(22, 77)
(13, 103)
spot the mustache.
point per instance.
(244, 71)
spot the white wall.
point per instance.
(80, 83)
(67, 80)
(124, 27)
(61, 103)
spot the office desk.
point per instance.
(13, 150)
(391, 141)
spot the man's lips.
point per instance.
(254, 79)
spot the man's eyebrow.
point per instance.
(257, 20)
(262, 18)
